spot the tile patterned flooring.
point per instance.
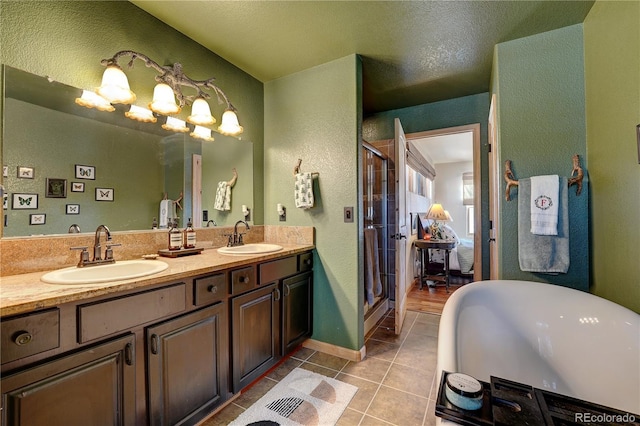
(395, 381)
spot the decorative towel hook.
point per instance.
(234, 178)
(297, 170)
(577, 174)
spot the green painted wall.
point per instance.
(612, 72)
(438, 115)
(541, 124)
(315, 115)
(67, 39)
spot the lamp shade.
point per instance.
(175, 125)
(140, 114)
(115, 86)
(91, 99)
(436, 212)
(449, 218)
(164, 100)
(203, 133)
(230, 125)
(201, 113)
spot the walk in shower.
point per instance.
(376, 233)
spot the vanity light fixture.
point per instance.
(168, 98)
(91, 99)
(203, 133)
(175, 125)
(140, 114)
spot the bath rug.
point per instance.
(301, 398)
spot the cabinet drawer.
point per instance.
(29, 334)
(281, 268)
(104, 318)
(210, 289)
(305, 262)
(243, 279)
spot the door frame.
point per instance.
(477, 184)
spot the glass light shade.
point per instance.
(115, 86)
(175, 125)
(164, 100)
(140, 114)
(230, 125)
(203, 133)
(436, 212)
(201, 113)
(91, 99)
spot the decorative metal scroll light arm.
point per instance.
(174, 77)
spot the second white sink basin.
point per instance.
(256, 248)
(122, 270)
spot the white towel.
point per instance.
(223, 197)
(372, 283)
(167, 211)
(304, 191)
(544, 204)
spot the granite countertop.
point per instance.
(25, 292)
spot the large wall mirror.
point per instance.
(65, 164)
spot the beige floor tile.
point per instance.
(329, 361)
(397, 407)
(319, 369)
(382, 350)
(413, 380)
(349, 418)
(430, 418)
(285, 368)
(224, 417)
(372, 421)
(365, 394)
(416, 353)
(424, 329)
(303, 353)
(372, 369)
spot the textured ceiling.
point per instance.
(413, 52)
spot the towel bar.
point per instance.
(574, 179)
(296, 169)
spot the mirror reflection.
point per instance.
(67, 165)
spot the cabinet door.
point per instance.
(187, 366)
(297, 315)
(255, 333)
(93, 387)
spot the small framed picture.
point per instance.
(104, 194)
(22, 201)
(37, 219)
(5, 171)
(5, 201)
(85, 172)
(77, 186)
(56, 188)
(73, 209)
(26, 172)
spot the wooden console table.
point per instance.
(423, 247)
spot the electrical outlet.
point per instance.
(348, 214)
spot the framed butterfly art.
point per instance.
(56, 188)
(85, 172)
(37, 219)
(22, 201)
(104, 194)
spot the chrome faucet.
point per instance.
(235, 239)
(97, 250)
(210, 221)
(97, 255)
(74, 229)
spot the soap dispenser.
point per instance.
(189, 236)
(175, 236)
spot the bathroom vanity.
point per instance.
(162, 350)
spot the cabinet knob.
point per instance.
(307, 262)
(244, 279)
(213, 289)
(22, 338)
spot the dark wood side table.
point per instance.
(423, 247)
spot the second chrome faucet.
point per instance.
(97, 249)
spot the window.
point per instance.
(470, 220)
(467, 189)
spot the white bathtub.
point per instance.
(550, 337)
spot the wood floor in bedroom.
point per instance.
(431, 300)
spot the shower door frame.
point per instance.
(380, 308)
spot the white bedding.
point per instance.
(461, 257)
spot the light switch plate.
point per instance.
(348, 214)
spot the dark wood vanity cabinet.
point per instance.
(95, 386)
(255, 330)
(166, 354)
(187, 366)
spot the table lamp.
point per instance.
(436, 212)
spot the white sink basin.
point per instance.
(257, 248)
(121, 270)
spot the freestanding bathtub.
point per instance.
(546, 336)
